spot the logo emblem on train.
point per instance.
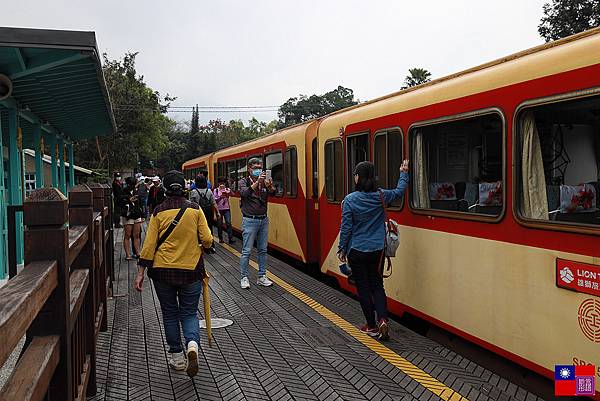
(566, 275)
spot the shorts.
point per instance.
(125, 221)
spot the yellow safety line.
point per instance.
(430, 383)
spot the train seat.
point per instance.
(442, 196)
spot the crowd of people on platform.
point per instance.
(180, 230)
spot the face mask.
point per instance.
(256, 172)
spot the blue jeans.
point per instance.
(254, 229)
(179, 305)
(225, 214)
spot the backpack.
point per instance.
(204, 202)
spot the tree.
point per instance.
(417, 76)
(567, 17)
(302, 108)
(139, 111)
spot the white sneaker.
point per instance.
(192, 359)
(245, 283)
(264, 281)
(178, 361)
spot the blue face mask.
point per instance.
(256, 172)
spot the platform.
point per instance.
(294, 341)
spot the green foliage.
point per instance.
(139, 111)
(417, 76)
(303, 108)
(217, 134)
(567, 17)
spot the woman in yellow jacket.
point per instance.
(173, 257)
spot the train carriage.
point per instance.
(505, 163)
(500, 226)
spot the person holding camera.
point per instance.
(254, 193)
(221, 195)
(131, 218)
(362, 242)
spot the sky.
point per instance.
(262, 52)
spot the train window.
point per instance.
(334, 171)
(230, 173)
(274, 162)
(387, 159)
(358, 151)
(315, 171)
(558, 163)
(457, 165)
(291, 172)
(241, 172)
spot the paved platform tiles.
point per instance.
(292, 341)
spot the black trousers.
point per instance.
(366, 268)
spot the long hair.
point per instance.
(366, 177)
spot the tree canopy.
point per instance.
(416, 76)
(139, 111)
(567, 17)
(303, 108)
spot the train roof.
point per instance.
(576, 51)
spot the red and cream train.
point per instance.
(500, 226)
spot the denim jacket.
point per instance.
(363, 218)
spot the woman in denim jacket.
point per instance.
(362, 239)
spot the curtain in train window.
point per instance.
(457, 165)
(315, 170)
(334, 171)
(274, 162)
(358, 151)
(560, 145)
(387, 160)
(291, 172)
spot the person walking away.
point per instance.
(156, 194)
(221, 195)
(204, 174)
(143, 195)
(203, 196)
(254, 193)
(175, 264)
(131, 218)
(362, 242)
(117, 188)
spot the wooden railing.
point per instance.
(59, 298)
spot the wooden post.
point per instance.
(101, 254)
(81, 213)
(47, 238)
(110, 241)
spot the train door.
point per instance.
(312, 199)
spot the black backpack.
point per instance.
(204, 202)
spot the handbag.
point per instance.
(391, 241)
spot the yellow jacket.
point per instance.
(181, 249)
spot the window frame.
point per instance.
(385, 131)
(264, 159)
(570, 227)
(286, 190)
(348, 173)
(457, 214)
(332, 142)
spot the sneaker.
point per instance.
(384, 330)
(264, 281)
(245, 283)
(371, 331)
(192, 359)
(178, 361)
